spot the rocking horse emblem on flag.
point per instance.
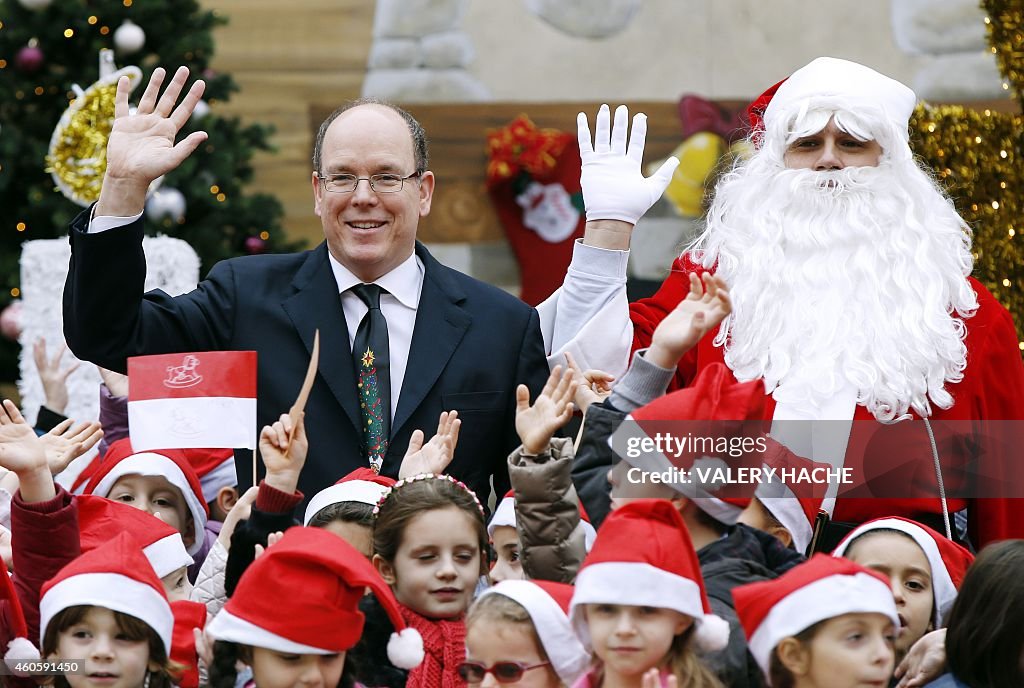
(183, 375)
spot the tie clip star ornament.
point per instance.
(78, 148)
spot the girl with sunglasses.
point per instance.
(518, 634)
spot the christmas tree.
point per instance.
(49, 55)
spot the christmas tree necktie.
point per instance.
(373, 375)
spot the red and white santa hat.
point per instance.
(215, 468)
(796, 509)
(718, 406)
(505, 515)
(324, 578)
(643, 556)
(20, 647)
(188, 615)
(828, 80)
(362, 485)
(547, 603)
(171, 464)
(116, 576)
(101, 520)
(948, 560)
(821, 588)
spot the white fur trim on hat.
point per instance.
(504, 515)
(149, 463)
(362, 491)
(405, 648)
(568, 657)
(723, 512)
(942, 584)
(112, 591)
(227, 626)
(828, 78)
(167, 555)
(223, 475)
(636, 584)
(823, 599)
(789, 512)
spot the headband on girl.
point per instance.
(427, 476)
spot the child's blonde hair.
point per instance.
(686, 666)
(504, 609)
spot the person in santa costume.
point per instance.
(848, 271)
(295, 614)
(828, 623)
(640, 604)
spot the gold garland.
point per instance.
(78, 153)
(978, 155)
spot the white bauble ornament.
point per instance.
(129, 38)
(166, 204)
(35, 5)
(201, 110)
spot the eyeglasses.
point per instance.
(381, 183)
(503, 672)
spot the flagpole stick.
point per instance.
(255, 482)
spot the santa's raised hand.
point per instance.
(141, 146)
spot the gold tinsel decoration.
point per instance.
(77, 157)
(978, 155)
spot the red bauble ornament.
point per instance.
(254, 245)
(29, 59)
(10, 321)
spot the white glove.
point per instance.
(614, 187)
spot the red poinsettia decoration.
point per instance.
(522, 147)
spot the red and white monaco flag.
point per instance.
(192, 400)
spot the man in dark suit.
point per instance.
(428, 338)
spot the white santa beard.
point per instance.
(842, 279)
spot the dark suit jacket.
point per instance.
(472, 344)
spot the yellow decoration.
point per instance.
(698, 156)
(978, 156)
(77, 157)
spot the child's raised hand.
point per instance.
(704, 307)
(272, 539)
(283, 462)
(239, 512)
(592, 386)
(64, 443)
(652, 679)
(117, 384)
(435, 455)
(23, 453)
(552, 409)
(54, 380)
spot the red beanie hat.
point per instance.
(215, 468)
(116, 576)
(362, 485)
(101, 520)
(325, 577)
(171, 464)
(948, 560)
(821, 588)
(547, 603)
(643, 556)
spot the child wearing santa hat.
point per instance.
(639, 603)
(161, 482)
(827, 623)
(346, 507)
(519, 632)
(107, 609)
(304, 636)
(924, 567)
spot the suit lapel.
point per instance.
(441, 323)
(316, 304)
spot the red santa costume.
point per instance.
(852, 301)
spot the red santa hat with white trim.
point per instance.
(325, 578)
(795, 506)
(643, 556)
(19, 647)
(547, 603)
(948, 560)
(362, 485)
(821, 588)
(116, 576)
(170, 464)
(715, 405)
(505, 515)
(215, 468)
